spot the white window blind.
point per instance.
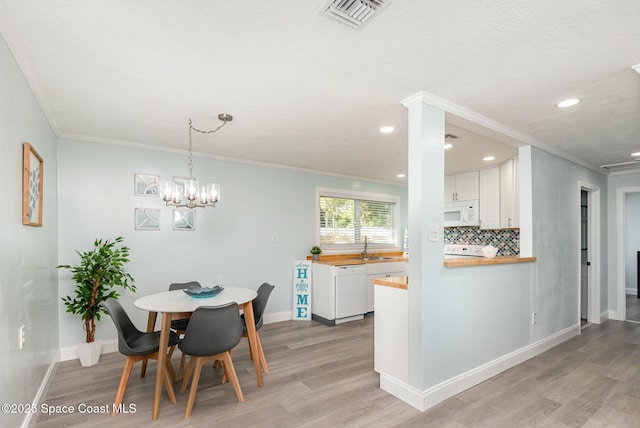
(345, 221)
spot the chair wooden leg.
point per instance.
(185, 380)
(171, 370)
(181, 369)
(263, 360)
(194, 385)
(167, 383)
(225, 378)
(143, 370)
(231, 372)
(124, 380)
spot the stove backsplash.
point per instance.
(507, 241)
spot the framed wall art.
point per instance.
(32, 186)
(147, 219)
(145, 184)
(184, 219)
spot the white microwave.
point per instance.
(461, 213)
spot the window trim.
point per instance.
(354, 194)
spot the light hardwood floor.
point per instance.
(323, 377)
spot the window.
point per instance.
(346, 218)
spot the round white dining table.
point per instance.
(177, 304)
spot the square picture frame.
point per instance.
(147, 218)
(32, 186)
(184, 219)
(145, 184)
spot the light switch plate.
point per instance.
(434, 233)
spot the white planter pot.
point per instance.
(89, 353)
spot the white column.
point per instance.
(425, 205)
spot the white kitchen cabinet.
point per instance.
(461, 187)
(333, 305)
(391, 333)
(509, 195)
(382, 270)
(490, 198)
(337, 297)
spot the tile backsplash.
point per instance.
(507, 241)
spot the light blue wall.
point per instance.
(479, 314)
(28, 256)
(556, 242)
(234, 240)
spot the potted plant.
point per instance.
(315, 251)
(100, 271)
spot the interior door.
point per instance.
(584, 255)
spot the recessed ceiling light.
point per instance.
(401, 175)
(635, 154)
(569, 102)
(488, 158)
(448, 146)
(387, 129)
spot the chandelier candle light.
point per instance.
(188, 193)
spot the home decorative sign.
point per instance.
(302, 290)
(32, 186)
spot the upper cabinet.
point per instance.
(509, 195)
(490, 198)
(461, 187)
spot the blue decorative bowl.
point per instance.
(203, 292)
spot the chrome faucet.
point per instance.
(364, 253)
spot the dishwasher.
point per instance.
(351, 291)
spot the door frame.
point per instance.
(621, 205)
(593, 251)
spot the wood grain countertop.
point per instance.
(354, 259)
(480, 261)
(394, 281)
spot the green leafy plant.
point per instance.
(100, 271)
(316, 250)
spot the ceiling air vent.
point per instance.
(354, 13)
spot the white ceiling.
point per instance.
(307, 91)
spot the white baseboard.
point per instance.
(42, 391)
(71, 352)
(615, 315)
(423, 400)
(277, 317)
(632, 291)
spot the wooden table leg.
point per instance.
(161, 369)
(151, 324)
(253, 342)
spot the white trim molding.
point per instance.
(423, 400)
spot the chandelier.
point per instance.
(188, 193)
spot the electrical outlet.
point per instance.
(21, 337)
(534, 318)
(275, 237)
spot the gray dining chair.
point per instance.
(259, 304)
(180, 325)
(136, 346)
(211, 334)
